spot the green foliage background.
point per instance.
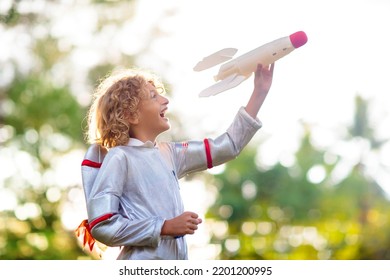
(261, 212)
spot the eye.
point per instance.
(153, 94)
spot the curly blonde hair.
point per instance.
(116, 100)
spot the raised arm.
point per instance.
(262, 85)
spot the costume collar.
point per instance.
(138, 143)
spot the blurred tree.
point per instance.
(57, 52)
(323, 206)
(44, 123)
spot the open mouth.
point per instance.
(162, 113)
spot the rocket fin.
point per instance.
(228, 83)
(215, 59)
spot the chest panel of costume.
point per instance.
(151, 186)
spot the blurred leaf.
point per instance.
(37, 103)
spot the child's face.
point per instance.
(151, 118)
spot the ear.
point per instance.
(134, 119)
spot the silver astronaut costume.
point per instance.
(137, 188)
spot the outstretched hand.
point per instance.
(186, 223)
(262, 85)
(263, 77)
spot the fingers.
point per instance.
(258, 69)
(193, 215)
(269, 67)
(192, 222)
(272, 67)
(195, 219)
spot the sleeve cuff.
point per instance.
(255, 123)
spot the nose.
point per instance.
(164, 100)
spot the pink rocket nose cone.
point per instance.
(298, 39)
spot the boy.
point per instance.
(134, 202)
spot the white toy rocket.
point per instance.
(234, 72)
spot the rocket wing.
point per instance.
(227, 83)
(215, 59)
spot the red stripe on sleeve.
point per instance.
(100, 219)
(90, 163)
(208, 153)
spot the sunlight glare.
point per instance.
(28, 210)
(232, 245)
(316, 174)
(8, 200)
